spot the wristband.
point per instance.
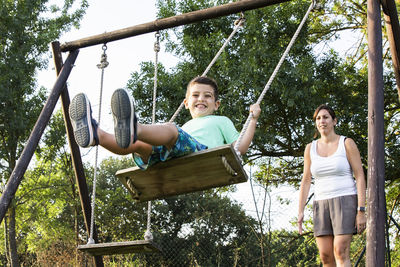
(362, 209)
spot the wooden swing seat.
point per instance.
(198, 171)
(139, 246)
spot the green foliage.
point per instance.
(47, 203)
(26, 29)
(47, 206)
(395, 249)
(331, 18)
(117, 216)
(393, 210)
(357, 248)
(290, 249)
(191, 223)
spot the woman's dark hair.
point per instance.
(319, 108)
(205, 80)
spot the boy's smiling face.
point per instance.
(200, 100)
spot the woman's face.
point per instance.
(324, 122)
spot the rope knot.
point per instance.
(157, 47)
(103, 61)
(239, 22)
(157, 43)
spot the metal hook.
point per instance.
(240, 21)
(103, 61)
(157, 42)
(316, 6)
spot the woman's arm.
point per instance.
(354, 158)
(304, 187)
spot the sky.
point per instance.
(124, 57)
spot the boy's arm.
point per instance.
(249, 134)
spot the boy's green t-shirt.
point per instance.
(212, 130)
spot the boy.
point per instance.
(152, 143)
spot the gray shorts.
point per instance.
(335, 216)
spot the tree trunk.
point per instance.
(12, 237)
(76, 228)
(6, 246)
(75, 208)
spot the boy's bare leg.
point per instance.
(154, 134)
(164, 134)
(108, 141)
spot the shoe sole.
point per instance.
(123, 112)
(79, 112)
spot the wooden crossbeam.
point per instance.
(170, 22)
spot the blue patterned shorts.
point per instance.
(185, 144)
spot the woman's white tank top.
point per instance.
(333, 175)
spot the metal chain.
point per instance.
(103, 64)
(148, 235)
(238, 24)
(273, 76)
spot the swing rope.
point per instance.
(156, 50)
(148, 235)
(238, 24)
(103, 64)
(244, 129)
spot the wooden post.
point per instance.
(75, 153)
(376, 168)
(166, 23)
(44, 117)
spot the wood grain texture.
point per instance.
(195, 172)
(138, 246)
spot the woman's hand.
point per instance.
(361, 222)
(300, 222)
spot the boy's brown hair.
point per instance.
(204, 80)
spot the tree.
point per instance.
(47, 204)
(27, 27)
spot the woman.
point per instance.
(339, 201)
